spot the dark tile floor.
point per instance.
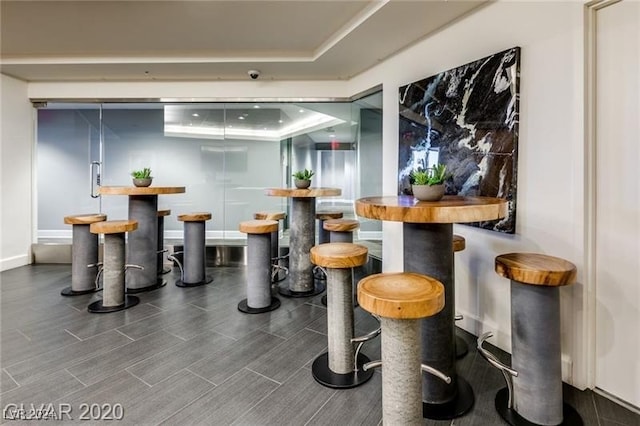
(188, 356)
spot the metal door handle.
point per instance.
(94, 165)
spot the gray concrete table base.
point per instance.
(340, 237)
(302, 238)
(143, 243)
(194, 256)
(570, 417)
(318, 287)
(161, 268)
(428, 250)
(401, 372)
(84, 252)
(113, 295)
(259, 297)
(323, 235)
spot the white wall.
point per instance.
(550, 175)
(550, 165)
(16, 147)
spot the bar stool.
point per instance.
(161, 250)
(341, 230)
(401, 300)
(341, 366)
(278, 271)
(259, 237)
(194, 256)
(534, 381)
(113, 294)
(84, 254)
(322, 215)
(459, 244)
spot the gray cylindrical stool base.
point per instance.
(143, 244)
(535, 342)
(194, 256)
(341, 237)
(401, 372)
(84, 252)
(259, 297)
(113, 295)
(323, 235)
(335, 368)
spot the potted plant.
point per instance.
(302, 179)
(142, 177)
(428, 185)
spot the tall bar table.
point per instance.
(428, 235)
(143, 244)
(302, 237)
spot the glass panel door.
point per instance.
(68, 143)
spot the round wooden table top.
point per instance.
(269, 215)
(401, 295)
(302, 193)
(84, 219)
(113, 226)
(536, 269)
(140, 190)
(259, 226)
(451, 209)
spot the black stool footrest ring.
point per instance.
(461, 404)
(67, 291)
(207, 280)
(323, 375)
(97, 307)
(244, 307)
(509, 415)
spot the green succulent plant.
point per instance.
(433, 176)
(141, 174)
(303, 174)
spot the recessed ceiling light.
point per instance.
(301, 111)
(195, 114)
(256, 106)
(280, 121)
(230, 125)
(241, 118)
(332, 136)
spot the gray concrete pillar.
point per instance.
(303, 212)
(259, 270)
(340, 320)
(160, 260)
(143, 243)
(341, 237)
(113, 273)
(535, 345)
(194, 252)
(84, 251)
(401, 372)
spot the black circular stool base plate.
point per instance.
(243, 307)
(509, 415)
(159, 283)
(97, 308)
(206, 280)
(323, 375)
(461, 404)
(164, 271)
(68, 292)
(318, 288)
(461, 347)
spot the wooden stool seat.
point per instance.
(328, 214)
(85, 219)
(164, 212)
(269, 215)
(258, 226)
(536, 269)
(114, 226)
(459, 243)
(401, 295)
(339, 255)
(341, 225)
(194, 217)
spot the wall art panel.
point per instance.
(466, 118)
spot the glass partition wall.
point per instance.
(224, 154)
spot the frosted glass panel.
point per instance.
(224, 154)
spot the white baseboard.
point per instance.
(54, 233)
(370, 235)
(14, 262)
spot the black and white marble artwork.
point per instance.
(466, 118)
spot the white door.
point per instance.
(618, 201)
